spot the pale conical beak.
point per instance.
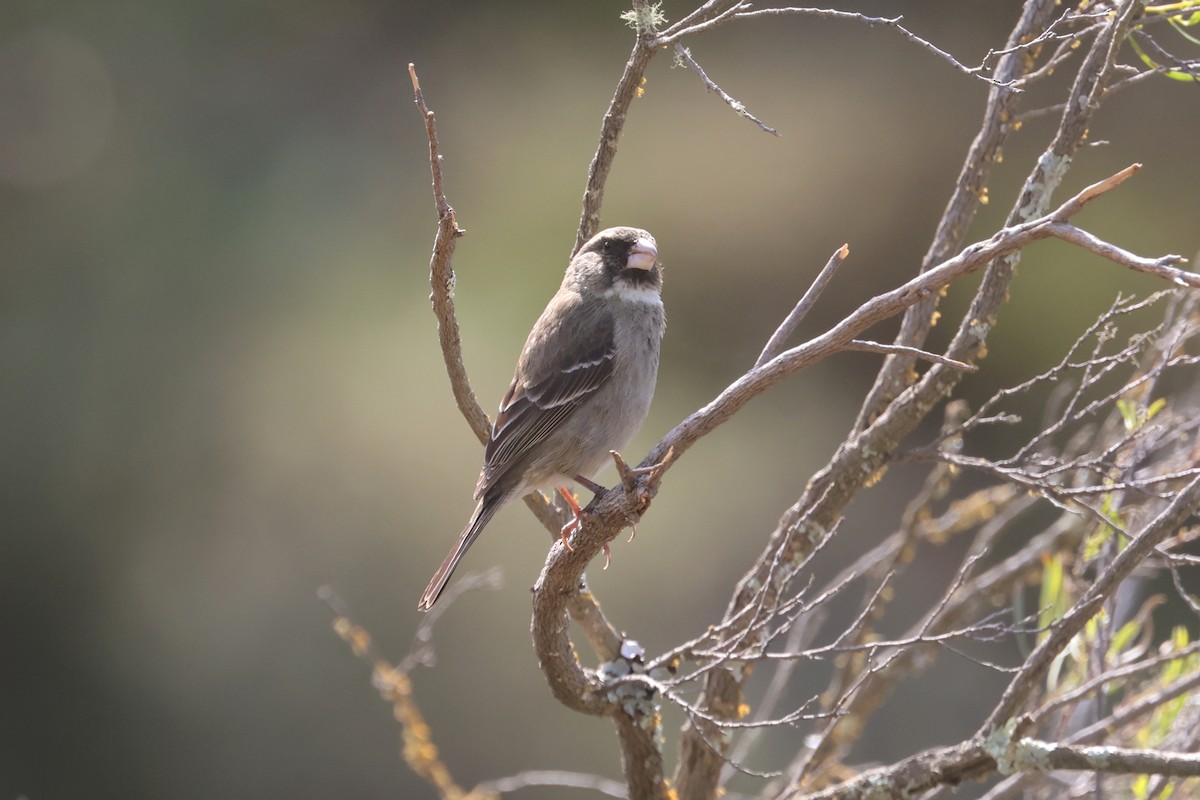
(643, 255)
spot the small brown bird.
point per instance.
(583, 383)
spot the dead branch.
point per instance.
(968, 194)
(766, 606)
(628, 88)
(685, 56)
(442, 279)
(786, 328)
(879, 308)
(865, 453)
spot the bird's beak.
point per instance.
(643, 255)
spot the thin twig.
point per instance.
(738, 107)
(628, 88)
(1158, 267)
(742, 11)
(547, 777)
(865, 346)
(395, 687)
(788, 326)
(705, 18)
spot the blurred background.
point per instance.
(221, 387)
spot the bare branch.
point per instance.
(916, 352)
(1038, 756)
(547, 777)
(1138, 708)
(395, 687)
(738, 107)
(969, 191)
(704, 18)
(879, 308)
(741, 11)
(1066, 43)
(773, 600)
(943, 765)
(864, 454)
(1111, 675)
(954, 765)
(441, 278)
(788, 326)
(628, 88)
(1158, 267)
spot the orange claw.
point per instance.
(570, 527)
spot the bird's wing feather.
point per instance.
(540, 400)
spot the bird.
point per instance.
(582, 386)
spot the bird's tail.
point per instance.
(483, 514)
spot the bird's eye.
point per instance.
(607, 245)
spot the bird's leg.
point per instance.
(571, 526)
(599, 491)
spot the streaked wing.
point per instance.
(536, 406)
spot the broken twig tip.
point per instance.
(845, 251)
(412, 73)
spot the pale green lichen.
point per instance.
(1053, 167)
(812, 533)
(999, 745)
(1032, 755)
(878, 787)
(647, 18)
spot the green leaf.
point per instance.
(1128, 408)
(1050, 602)
(1125, 636)
(1173, 74)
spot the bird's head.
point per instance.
(619, 260)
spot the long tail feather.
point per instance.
(483, 514)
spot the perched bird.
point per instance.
(583, 383)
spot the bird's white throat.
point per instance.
(634, 294)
